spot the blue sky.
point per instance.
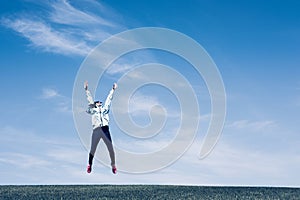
(255, 45)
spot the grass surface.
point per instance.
(145, 192)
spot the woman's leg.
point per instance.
(107, 140)
(94, 143)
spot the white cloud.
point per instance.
(48, 93)
(25, 136)
(140, 103)
(65, 30)
(46, 38)
(63, 160)
(30, 158)
(240, 165)
(205, 117)
(23, 160)
(131, 61)
(67, 155)
(143, 146)
(65, 13)
(119, 68)
(252, 125)
(63, 103)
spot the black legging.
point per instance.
(98, 133)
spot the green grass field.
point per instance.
(145, 192)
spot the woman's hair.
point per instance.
(97, 102)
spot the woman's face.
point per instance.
(98, 104)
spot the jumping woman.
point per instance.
(100, 122)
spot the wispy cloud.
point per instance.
(63, 103)
(32, 157)
(131, 61)
(48, 93)
(64, 13)
(23, 160)
(231, 164)
(44, 37)
(252, 125)
(65, 29)
(142, 103)
(119, 68)
(227, 165)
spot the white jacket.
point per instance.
(99, 114)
